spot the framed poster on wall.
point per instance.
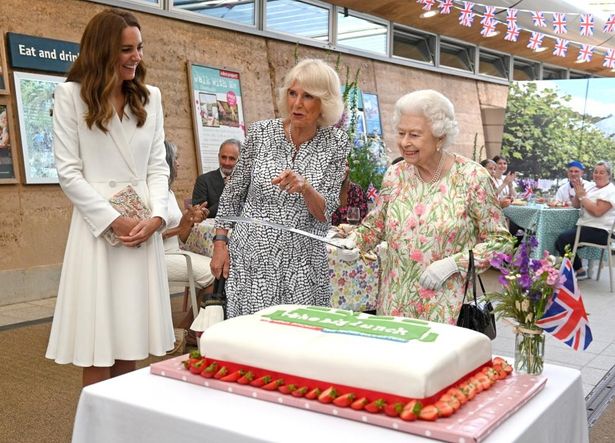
(8, 169)
(217, 109)
(371, 110)
(34, 93)
(4, 84)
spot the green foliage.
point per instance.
(367, 163)
(543, 133)
(477, 155)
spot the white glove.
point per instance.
(348, 255)
(436, 273)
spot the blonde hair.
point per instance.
(320, 80)
(435, 107)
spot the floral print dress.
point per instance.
(422, 223)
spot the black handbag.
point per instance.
(475, 316)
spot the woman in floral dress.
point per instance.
(433, 208)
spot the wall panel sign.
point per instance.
(217, 107)
(41, 54)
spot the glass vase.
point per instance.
(529, 349)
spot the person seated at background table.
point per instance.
(504, 183)
(432, 209)
(492, 167)
(209, 186)
(290, 172)
(179, 226)
(351, 195)
(597, 204)
(566, 192)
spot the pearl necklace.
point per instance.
(436, 175)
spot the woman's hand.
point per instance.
(220, 261)
(123, 225)
(141, 232)
(290, 181)
(510, 178)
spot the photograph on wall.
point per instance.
(34, 93)
(371, 110)
(549, 123)
(7, 147)
(217, 109)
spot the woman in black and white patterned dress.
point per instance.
(289, 172)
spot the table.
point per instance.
(140, 406)
(355, 284)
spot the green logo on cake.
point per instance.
(355, 323)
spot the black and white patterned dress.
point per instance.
(270, 266)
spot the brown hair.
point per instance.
(95, 69)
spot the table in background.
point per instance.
(140, 406)
(355, 284)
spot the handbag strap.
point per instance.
(471, 274)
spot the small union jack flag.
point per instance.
(538, 17)
(587, 24)
(511, 18)
(609, 59)
(445, 6)
(527, 193)
(565, 317)
(535, 40)
(488, 29)
(466, 16)
(512, 34)
(561, 47)
(609, 26)
(559, 23)
(371, 193)
(489, 15)
(427, 4)
(585, 53)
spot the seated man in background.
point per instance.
(566, 192)
(209, 186)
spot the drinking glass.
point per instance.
(353, 216)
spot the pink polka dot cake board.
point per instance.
(472, 423)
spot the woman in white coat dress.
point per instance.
(113, 304)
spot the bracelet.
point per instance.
(221, 237)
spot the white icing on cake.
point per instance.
(413, 358)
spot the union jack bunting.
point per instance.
(445, 6)
(585, 53)
(587, 24)
(489, 15)
(512, 34)
(561, 47)
(427, 4)
(565, 317)
(559, 23)
(538, 17)
(609, 59)
(535, 40)
(511, 18)
(609, 26)
(488, 29)
(466, 16)
(372, 193)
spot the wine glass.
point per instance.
(353, 215)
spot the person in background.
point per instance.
(290, 172)
(566, 192)
(504, 183)
(432, 209)
(492, 167)
(597, 204)
(209, 186)
(179, 227)
(351, 195)
(113, 304)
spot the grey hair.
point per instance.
(230, 141)
(435, 107)
(171, 154)
(606, 165)
(320, 80)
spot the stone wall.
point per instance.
(34, 218)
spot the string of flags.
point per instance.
(559, 22)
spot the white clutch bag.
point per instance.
(128, 203)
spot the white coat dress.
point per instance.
(113, 301)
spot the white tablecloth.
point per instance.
(141, 407)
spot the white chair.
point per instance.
(610, 243)
(189, 285)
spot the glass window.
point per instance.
(456, 56)
(413, 45)
(493, 64)
(362, 34)
(577, 75)
(553, 73)
(525, 71)
(298, 18)
(238, 11)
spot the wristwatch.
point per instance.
(221, 237)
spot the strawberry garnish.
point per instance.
(273, 385)
(210, 370)
(313, 394)
(197, 366)
(393, 409)
(246, 378)
(300, 392)
(287, 389)
(411, 410)
(328, 395)
(375, 406)
(344, 400)
(233, 376)
(458, 393)
(261, 381)
(221, 373)
(444, 409)
(429, 413)
(359, 404)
